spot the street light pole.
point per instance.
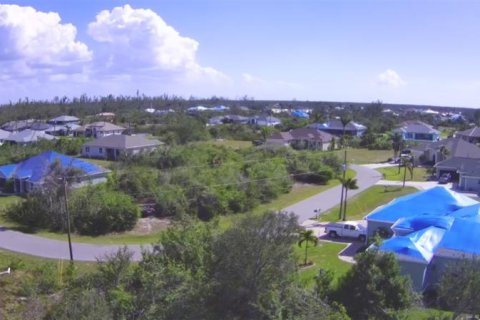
(68, 218)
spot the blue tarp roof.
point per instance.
(412, 224)
(471, 213)
(36, 168)
(437, 201)
(7, 171)
(418, 246)
(463, 237)
(300, 114)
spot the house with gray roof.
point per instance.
(265, 121)
(17, 125)
(464, 170)
(335, 127)
(418, 131)
(470, 135)
(437, 151)
(99, 129)
(4, 135)
(302, 138)
(64, 120)
(114, 147)
(28, 136)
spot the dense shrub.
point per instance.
(96, 210)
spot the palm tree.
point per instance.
(348, 184)
(397, 144)
(408, 164)
(307, 236)
(345, 119)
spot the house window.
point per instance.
(87, 149)
(100, 150)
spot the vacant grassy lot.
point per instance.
(363, 156)
(391, 173)
(365, 202)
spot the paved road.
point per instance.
(47, 248)
(366, 177)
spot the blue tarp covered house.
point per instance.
(432, 228)
(438, 201)
(32, 172)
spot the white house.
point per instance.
(115, 146)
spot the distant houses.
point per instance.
(418, 131)
(99, 129)
(114, 147)
(335, 127)
(31, 173)
(471, 135)
(302, 139)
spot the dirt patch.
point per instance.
(150, 225)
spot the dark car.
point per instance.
(445, 178)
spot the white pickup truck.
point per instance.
(348, 229)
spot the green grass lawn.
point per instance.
(365, 202)
(102, 163)
(363, 156)
(391, 173)
(324, 255)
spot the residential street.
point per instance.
(366, 177)
(38, 246)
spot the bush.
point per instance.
(96, 210)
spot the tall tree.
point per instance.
(374, 288)
(307, 236)
(348, 184)
(459, 287)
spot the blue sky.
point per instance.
(417, 52)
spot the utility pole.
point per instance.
(68, 217)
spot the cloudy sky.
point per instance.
(418, 52)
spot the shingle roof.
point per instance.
(336, 124)
(28, 135)
(17, 125)
(456, 147)
(36, 168)
(473, 132)
(104, 126)
(4, 134)
(467, 166)
(310, 134)
(64, 118)
(123, 142)
(416, 127)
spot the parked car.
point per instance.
(347, 229)
(445, 178)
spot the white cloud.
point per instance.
(390, 78)
(139, 39)
(33, 42)
(251, 79)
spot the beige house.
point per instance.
(302, 138)
(114, 147)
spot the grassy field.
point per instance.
(362, 156)
(365, 202)
(391, 173)
(324, 255)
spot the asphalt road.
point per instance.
(330, 198)
(54, 249)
